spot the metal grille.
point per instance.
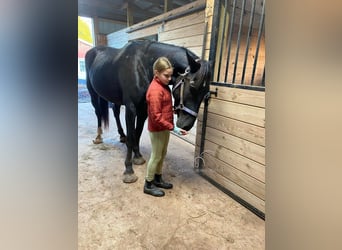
(238, 39)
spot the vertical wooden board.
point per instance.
(245, 181)
(241, 112)
(236, 189)
(209, 10)
(248, 149)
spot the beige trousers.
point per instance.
(159, 142)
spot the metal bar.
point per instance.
(231, 24)
(250, 29)
(263, 78)
(204, 129)
(221, 40)
(238, 41)
(258, 43)
(212, 56)
(214, 34)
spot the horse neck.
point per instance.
(177, 55)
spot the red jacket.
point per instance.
(159, 107)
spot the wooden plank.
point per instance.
(239, 129)
(187, 42)
(187, 31)
(245, 181)
(152, 30)
(248, 149)
(243, 164)
(243, 96)
(197, 50)
(237, 111)
(236, 189)
(188, 20)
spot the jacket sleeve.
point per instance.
(156, 98)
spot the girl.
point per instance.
(160, 122)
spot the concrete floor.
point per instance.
(192, 215)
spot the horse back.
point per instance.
(102, 73)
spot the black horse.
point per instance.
(122, 77)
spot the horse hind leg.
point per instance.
(116, 111)
(98, 138)
(129, 175)
(138, 159)
(94, 102)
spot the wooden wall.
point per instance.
(174, 27)
(234, 151)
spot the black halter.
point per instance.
(180, 84)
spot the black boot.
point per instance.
(150, 188)
(159, 182)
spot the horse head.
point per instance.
(189, 90)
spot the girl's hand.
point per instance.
(179, 131)
(182, 132)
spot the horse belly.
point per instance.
(108, 88)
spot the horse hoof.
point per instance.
(129, 178)
(122, 139)
(139, 161)
(97, 141)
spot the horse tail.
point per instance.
(100, 105)
(103, 104)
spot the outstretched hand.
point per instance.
(182, 132)
(179, 131)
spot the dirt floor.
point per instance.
(114, 215)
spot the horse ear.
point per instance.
(193, 63)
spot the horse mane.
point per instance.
(203, 74)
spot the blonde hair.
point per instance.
(161, 64)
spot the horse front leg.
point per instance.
(129, 175)
(141, 117)
(116, 111)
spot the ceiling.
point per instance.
(116, 10)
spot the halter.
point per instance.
(181, 84)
